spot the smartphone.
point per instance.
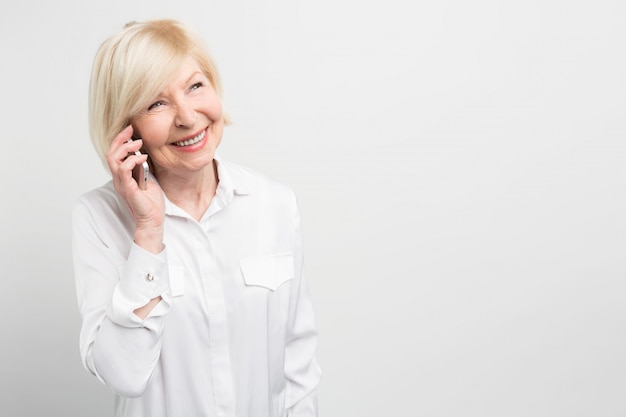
(140, 172)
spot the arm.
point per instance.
(117, 345)
(301, 369)
(147, 208)
(121, 275)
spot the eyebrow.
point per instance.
(194, 75)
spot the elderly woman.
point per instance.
(192, 290)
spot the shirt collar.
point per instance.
(229, 181)
(230, 184)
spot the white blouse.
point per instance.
(234, 333)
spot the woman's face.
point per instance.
(182, 126)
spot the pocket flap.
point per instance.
(268, 271)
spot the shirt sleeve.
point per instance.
(143, 277)
(115, 344)
(301, 369)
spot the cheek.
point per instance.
(152, 131)
(214, 105)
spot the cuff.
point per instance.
(143, 277)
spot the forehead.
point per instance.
(187, 70)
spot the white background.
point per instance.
(460, 167)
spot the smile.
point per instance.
(191, 141)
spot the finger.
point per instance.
(118, 152)
(123, 180)
(126, 167)
(123, 136)
(128, 148)
(120, 139)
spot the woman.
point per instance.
(192, 291)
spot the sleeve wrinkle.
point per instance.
(122, 355)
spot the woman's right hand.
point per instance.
(146, 206)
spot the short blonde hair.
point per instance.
(132, 67)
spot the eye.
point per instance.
(196, 86)
(155, 105)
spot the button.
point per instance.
(149, 277)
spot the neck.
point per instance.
(191, 192)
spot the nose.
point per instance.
(186, 115)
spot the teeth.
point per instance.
(191, 141)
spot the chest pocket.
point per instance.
(268, 271)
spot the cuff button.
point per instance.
(149, 277)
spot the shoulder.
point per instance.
(101, 206)
(101, 198)
(257, 184)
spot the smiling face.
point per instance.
(182, 127)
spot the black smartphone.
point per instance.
(140, 172)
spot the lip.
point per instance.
(196, 146)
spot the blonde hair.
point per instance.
(132, 67)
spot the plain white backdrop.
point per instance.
(460, 167)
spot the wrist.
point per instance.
(150, 239)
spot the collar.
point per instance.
(230, 183)
(229, 179)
